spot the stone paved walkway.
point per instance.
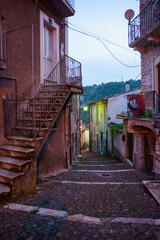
(103, 203)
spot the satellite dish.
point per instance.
(129, 14)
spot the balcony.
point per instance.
(144, 105)
(145, 26)
(2, 44)
(65, 8)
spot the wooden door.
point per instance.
(48, 61)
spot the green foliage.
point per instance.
(115, 128)
(96, 92)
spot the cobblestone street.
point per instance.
(99, 198)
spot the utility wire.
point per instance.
(90, 35)
(137, 76)
(104, 39)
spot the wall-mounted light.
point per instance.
(85, 108)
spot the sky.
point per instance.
(104, 18)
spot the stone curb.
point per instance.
(95, 183)
(20, 207)
(39, 211)
(106, 171)
(80, 217)
(137, 221)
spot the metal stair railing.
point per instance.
(25, 116)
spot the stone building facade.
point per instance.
(141, 134)
(39, 88)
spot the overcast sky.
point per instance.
(106, 19)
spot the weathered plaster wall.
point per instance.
(148, 60)
(53, 156)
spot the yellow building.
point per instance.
(85, 137)
(98, 126)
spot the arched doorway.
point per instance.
(143, 147)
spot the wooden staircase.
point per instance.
(18, 156)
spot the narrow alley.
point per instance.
(99, 198)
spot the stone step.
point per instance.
(13, 163)
(24, 141)
(17, 151)
(7, 176)
(4, 189)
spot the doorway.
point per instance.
(101, 142)
(49, 47)
(130, 146)
(48, 56)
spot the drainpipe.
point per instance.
(70, 134)
(153, 66)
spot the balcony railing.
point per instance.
(67, 71)
(147, 19)
(144, 105)
(136, 106)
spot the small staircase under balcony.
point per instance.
(27, 136)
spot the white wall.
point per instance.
(118, 104)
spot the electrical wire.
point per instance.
(104, 39)
(137, 76)
(90, 35)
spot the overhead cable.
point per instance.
(90, 35)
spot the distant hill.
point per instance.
(95, 92)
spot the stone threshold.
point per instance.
(95, 183)
(107, 171)
(90, 165)
(80, 217)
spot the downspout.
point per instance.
(153, 66)
(70, 134)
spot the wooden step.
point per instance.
(17, 151)
(7, 176)
(13, 163)
(4, 189)
(24, 141)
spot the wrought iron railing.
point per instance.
(26, 115)
(156, 103)
(67, 71)
(147, 19)
(146, 105)
(71, 3)
(2, 39)
(73, 72)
